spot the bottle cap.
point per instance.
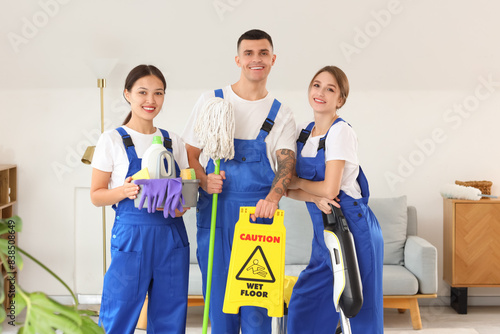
(157, 140)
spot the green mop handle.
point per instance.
(211, 253)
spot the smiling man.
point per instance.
(258, 174)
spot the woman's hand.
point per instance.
(130, 190)
(179, 213)
(323, 204)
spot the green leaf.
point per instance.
(19, 301)
(10, 253)
(39, 299)
(4, 228)
(37, 323)
(88, 312)
(2, 294)
(90, 327)
(2, 316)
(44, 315)
(14, 222)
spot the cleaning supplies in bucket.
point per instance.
(159, 187)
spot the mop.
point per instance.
(347, 287)
(215, 130)
(456, 191)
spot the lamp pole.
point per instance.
(101, 83)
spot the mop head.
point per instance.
(460, 192)
(215, 129)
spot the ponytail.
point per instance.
(127, 119)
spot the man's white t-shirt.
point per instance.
(341, 144)
(110, 154)
(249, 117)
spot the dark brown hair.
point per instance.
(254, 34)
(339, 76)
(137, 73)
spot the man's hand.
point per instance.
(215, 182)
(265, 208)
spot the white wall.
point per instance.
(420, 100)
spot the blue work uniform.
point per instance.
(249, 177)
(149, 254)
(311, 308)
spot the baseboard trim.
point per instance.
(439, 301)
(82, 299)
(471, 301)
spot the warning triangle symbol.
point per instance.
(256, 268)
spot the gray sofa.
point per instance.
(410, 262)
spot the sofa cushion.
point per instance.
(392, 215)
(294, 269)
(399, 281)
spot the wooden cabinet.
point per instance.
(471, 247)
(8, 197)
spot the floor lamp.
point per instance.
(102, 67)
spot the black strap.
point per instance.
(127, 141)
(321, 144)
(167, 142)
(304, 134)
(267, 125)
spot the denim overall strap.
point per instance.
(219, 93)
(269, 121)
(304, 134)
(321, 145)
(129, 145)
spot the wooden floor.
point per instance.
(435, 320)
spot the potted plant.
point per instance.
(43, 314)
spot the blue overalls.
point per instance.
(150, 254)
(248, 179)
(311, 308)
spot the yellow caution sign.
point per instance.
(257, 265)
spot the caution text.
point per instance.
(260, 238)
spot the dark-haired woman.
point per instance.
(150, 253)
(327, 168)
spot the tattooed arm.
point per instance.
(286, 164)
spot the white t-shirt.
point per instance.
(340, 144)
(249, 116)
(110, 154)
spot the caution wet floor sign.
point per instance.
(257, 265)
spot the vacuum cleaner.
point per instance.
(347, 287)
